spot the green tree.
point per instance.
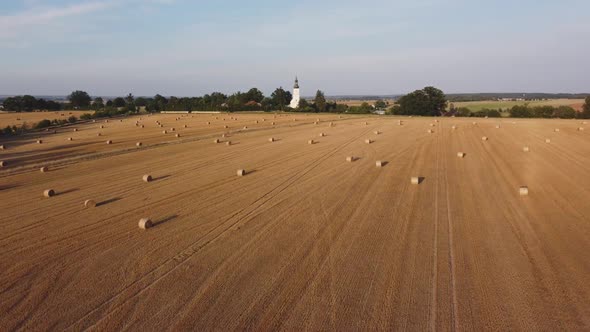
(463, 112)
(140, 101)
(98, 103)
(79, 99)
(281, 98)
(266, 104)
(364, 108)
(521, 111)
(254, 95)
(303, 104)
(585, 114)
(129, 99)
(43, 124)
(320, 101)
(564, 112)
(429, 101)
(380, 104)
(119, 102)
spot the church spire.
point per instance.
(296, 83)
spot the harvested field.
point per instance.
(32, 118)
(304, 241)
(475, 106)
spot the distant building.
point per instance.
(296, 96)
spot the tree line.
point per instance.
(28, 103)
(431, 101)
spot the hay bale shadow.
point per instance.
(164, 220)
(108, 201)
(160, 178)
(65, 192)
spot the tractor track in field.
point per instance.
(196, 246)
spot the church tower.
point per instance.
(296, 95)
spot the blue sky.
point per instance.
(187, 48)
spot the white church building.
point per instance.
(296, 95)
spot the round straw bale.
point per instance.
(322, 134)
(556, 130)
(2, 147)
(147, 178)
(75, 129)
(350, 159)
(49, 193)
(272, 139)
(142, 126)
(368, 141)
(379, 163)
(245, 127)
(430, 131)
(461, 154)
(145, 223)
(43, 169)
(185, 126)
(272, 123)
(310, 141)
(228, 143)
(109, 142)
(241, 172)
(415, 180)
(526, 149)
(138, 144)
(484, 138)
(70, 139)
(523, 191)
(101, 126)
(454, 127)
(164, 132)
(2, 163)
(547, 140)
(216, 140)
(580, 128)
(89, 203)
(377, 132)
(177, 135)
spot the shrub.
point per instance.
(43, 124)
(72, 119)
(564, 112)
